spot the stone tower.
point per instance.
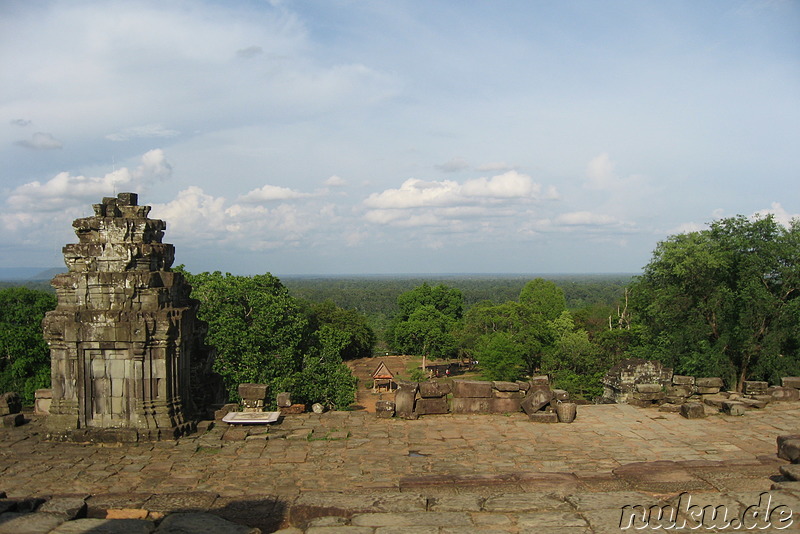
(124, 338)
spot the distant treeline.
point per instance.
(377, 296)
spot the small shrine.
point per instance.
(125, 341)
(382, 378)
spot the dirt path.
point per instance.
(363, 369)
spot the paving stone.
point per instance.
(524, 502)
(612, 500)
(412, 519)
(456, 503)
(70, 507)
(183, 523)
(29, 523)
(188, 501)
(98, 505)
(560, 520)
(345, 529)
(105, 526)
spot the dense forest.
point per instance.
(718, 302)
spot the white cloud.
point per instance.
(600, 172)
(779, 213)
(41, 141)
(270, 193)
(146, 131)
(414, 193)
(497, 166)
(335, 181)
(585, 218)
(65, 190)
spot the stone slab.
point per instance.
(30, 523)
(466, 405)
(505, 386)
(251, 418)
(433, 389)
(709, 382)
(681, 380)
(791, 382)
(430, 406)
(536, 400)
(105, 526)
(183, 523)
(471, 389)
(783, 394)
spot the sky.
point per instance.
(403, 136)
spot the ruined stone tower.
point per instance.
(124, 334)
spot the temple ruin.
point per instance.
(124, 339)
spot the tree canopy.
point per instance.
(264, 335)
(24, 355)
(724, 301)
(427, 321)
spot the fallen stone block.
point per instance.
(789, 447)
(472, 388)
(540, 379)
(543, 417)
(561, 395)
(431, 406)
(505, 386)
(649, 396)
(504, 405)
(536, 400)
(10, 403)
(763, 398)
(294, 409)
(253, 391)
(791, 382)
(670, 408)
(404, 399)
(225, 410)
(675, 400)
(639, 403)
(318, 407)
(680, 380)
(648, 388)
(791, 471)
(680, 391)
(782, 394)
(12, 420)
(754, 387)
(523, 386)
(42, 402)
(753, 403)
(384, 409)
(433, 389)
(734, 407)
(470, 405)
(704, 390)
(709, 382)
(714, 400)
(693, 410)
(284, 399)
(508, 394)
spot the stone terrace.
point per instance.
(352, 472)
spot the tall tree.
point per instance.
(263, 335)
(427, 321)
(724, 301)
(24, 355)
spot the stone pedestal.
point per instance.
(124, 338)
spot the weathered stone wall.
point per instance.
(124, 338)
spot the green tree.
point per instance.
(543, 297)
(353, 336)
(724, 301)
(24, 355)
(427, 321)
(263, 335)
(501, 356)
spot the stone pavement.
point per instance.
(342, 472)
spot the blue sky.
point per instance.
(347, 137)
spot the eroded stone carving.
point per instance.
(124, 338)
